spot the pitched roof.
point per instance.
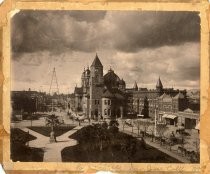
(122, 82)
(165, 96)
(179, 95)
(96, 62)
(188, 110)
(119, 96)
(78, 90)
(113, 93)
(108, 94)
(135, 86)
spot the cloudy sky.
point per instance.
(139, 46)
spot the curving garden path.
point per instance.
(52, 151)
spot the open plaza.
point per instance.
(181, 147)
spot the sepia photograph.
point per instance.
(105, 86)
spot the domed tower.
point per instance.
(111, 80)
(159, 86)
(135, 86)
(87, 77)
(86, 80)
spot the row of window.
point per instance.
(97, 102)
(168, 106)
(142, 100)
(107, 102)
(107, 112)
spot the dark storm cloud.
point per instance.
(55, 31)
(156, 29)
(88, 31)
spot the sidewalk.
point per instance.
(52, 151)
(40, 141)
(157, 146)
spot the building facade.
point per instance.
(100, 95)
(106, 96)
(27, 102)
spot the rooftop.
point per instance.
(97, 62)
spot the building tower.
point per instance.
(87, 77)
(96, 87)
(83, 78)
(96, 71)
(54, 84)
(159, 86)
(135, 86)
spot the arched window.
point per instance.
(109, 112)
(105, 111)
(97, 78)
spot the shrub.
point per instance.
(113, 126)
(21, 152)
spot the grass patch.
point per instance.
(104, 145)
(44, 130)
(114, 154)
(21, 152)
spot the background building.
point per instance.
(106, 96)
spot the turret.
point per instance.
(83, 78)
(96, 87)
(135, 86)
(96, 71)
(159, 85)
(87, 72)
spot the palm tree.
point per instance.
(52, 121)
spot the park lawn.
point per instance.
(87, 151)
(21, 152)
(45, 130)
(113, 154)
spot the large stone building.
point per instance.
(100, 95)
(106, 96)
